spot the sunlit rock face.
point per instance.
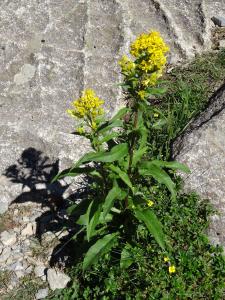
(202, 148)
(50, 50)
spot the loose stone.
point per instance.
(8, 238)
(222, 44)
(56, 279)
(28, 230)
(41, 294)
(39, 271)
(5, 254)
(220, 21)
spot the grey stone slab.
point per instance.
(50, 50)
(202, 149)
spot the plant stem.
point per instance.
(131, 150)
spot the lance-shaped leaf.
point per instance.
(114, 193)
(91, 218)
(150, 169)
(101, 247)
(116, 153)
(137, 155)
(171, 165)
(120, 114)
(110, 125)
(73, 172)
(153, 224)
(123, 176)
(109, 137)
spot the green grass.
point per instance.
(200, 267)
(189, 89)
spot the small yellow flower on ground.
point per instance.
(172, 269)
(150, 203)
(166, 259)
(156, 115)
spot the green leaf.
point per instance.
(122, 175)
(156, 91)
(153, 224)
(113, 194)
(116, 153)
(101, 247)
(108, 126)
(137, 155)
(84, 219)
(126, 259)
(72, 172)
(171, 165)
(109, 137)
(144, 136)
(79, 209)
(150, 169)
(91, 218)
(120, 114)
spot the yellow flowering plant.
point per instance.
(119, 164)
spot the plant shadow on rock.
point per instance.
(34, 171)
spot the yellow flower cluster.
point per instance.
(88, 107)
(126, 64)
(150, 49)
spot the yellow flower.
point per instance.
(150, 49)
(87, 106)
(150, 203)
(156, 115)
(172, 269)
(166, 259)
(152, 78)
(150, 44)
(126, 64)
(142, 94)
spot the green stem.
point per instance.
(131, 150)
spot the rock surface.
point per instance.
(28, 253)
(57, 279)
(202, 148)
(42, 294)
(51, 50)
